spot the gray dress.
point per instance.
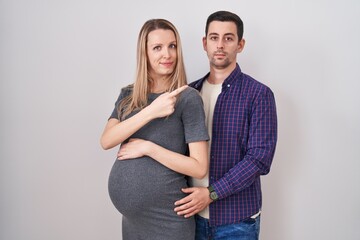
(143, 190)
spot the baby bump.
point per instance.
(143, 185)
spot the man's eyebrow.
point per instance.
(226, 34)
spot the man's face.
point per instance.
(222, 44)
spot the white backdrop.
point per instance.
(62, 64)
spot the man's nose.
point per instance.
(220, 44)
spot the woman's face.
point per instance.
(161, 52)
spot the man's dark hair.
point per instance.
(225, 16)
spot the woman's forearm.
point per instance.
(116, 132)
(195, 165)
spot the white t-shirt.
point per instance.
(209, 94)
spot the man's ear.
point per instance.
(241, 45)
(204, 43)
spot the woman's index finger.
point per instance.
(178, 91)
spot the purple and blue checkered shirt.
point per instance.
(243, 145)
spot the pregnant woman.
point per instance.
(160, 124)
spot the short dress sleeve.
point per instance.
(126, 91)
(193, 116)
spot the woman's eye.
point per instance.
(157, 48)
(172, 46)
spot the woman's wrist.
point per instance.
(147, 114)
(151, 149)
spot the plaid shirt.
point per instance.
(243, 145)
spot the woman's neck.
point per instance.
(159, 86)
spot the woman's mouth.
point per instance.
(167, 64)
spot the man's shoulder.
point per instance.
(195, 83)
(252, 83)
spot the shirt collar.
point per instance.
(232, 78)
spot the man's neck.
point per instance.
(218, 76)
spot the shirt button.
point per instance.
(228, 85)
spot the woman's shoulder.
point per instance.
(126, 91)
(128, 88)
(190, 92)
(190, 96)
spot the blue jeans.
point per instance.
(248, 229)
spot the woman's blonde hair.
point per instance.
(142, 86)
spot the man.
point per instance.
(242, 123)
